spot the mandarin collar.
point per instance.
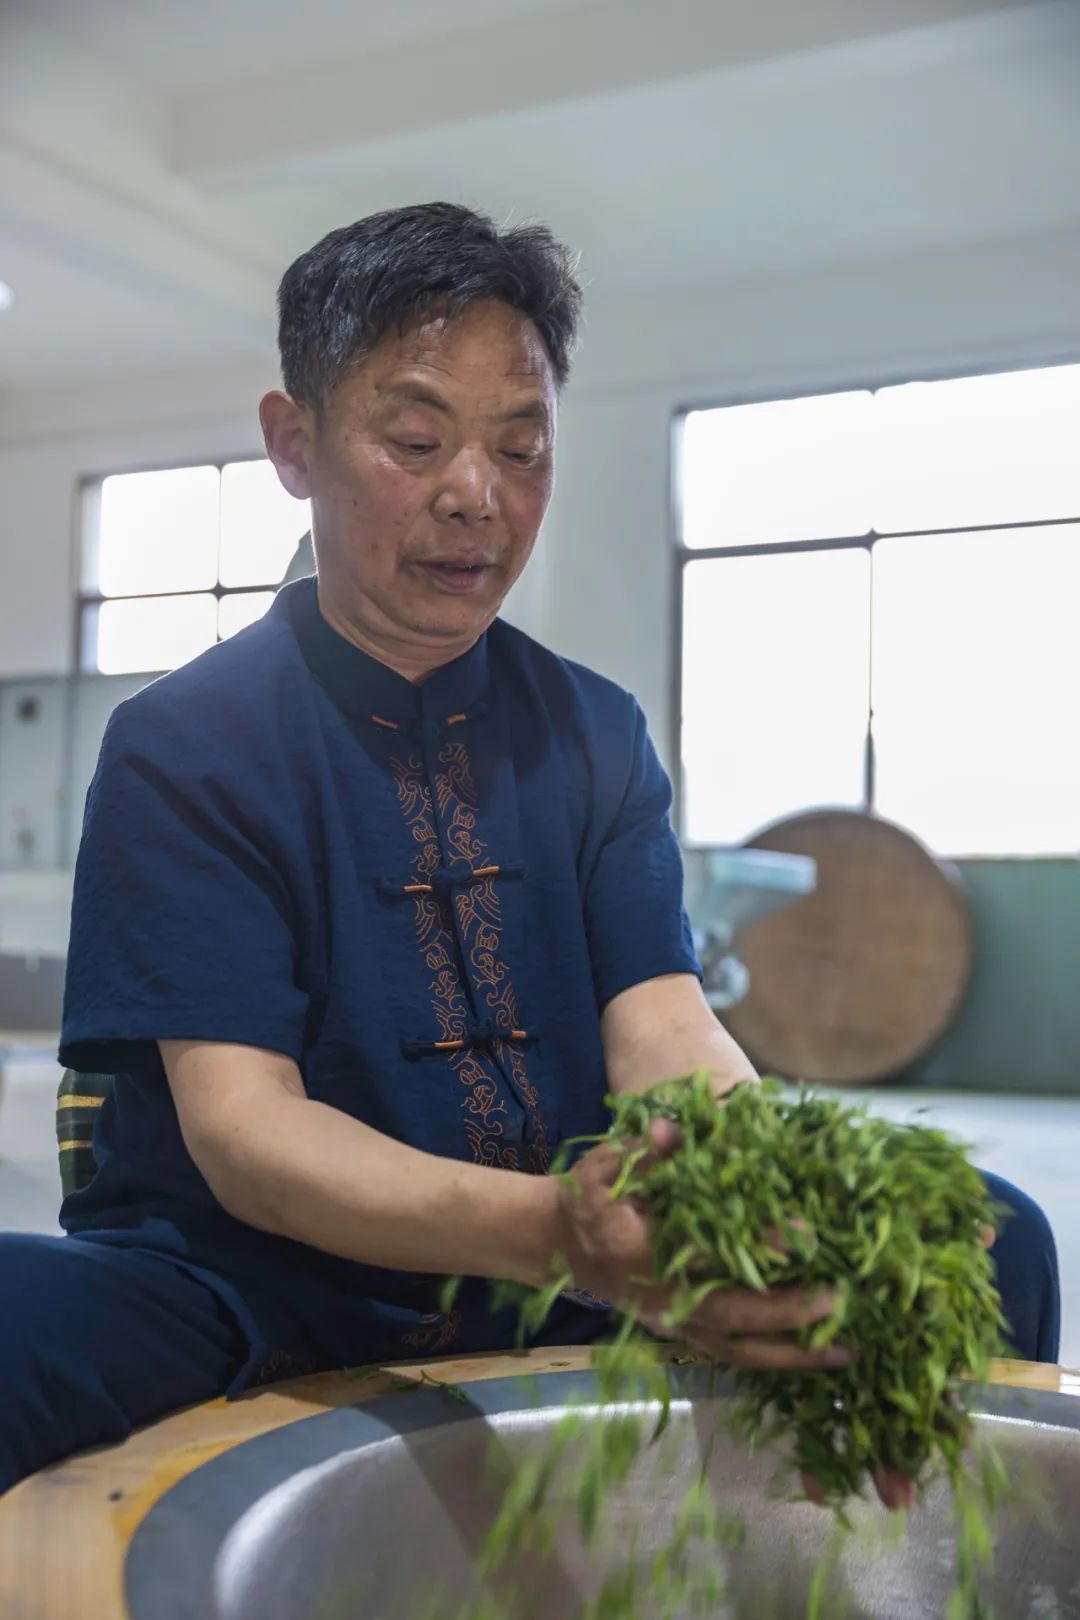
(361, 685)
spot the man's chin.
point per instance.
(450, 617)
(444, 627)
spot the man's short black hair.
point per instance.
(342, 295)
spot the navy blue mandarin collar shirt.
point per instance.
(424, 895)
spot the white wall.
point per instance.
(609, 581)
(600, 587)
(50, 442)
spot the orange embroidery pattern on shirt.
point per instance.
(479, 915)
(434, 1333)
(482, 1104)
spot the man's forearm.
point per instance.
(713, 1050)
(306, 1171)
(663, 1029)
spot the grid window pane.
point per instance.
(261, 524)
(978, 450)
(237, 612)
(975, 679)
(158, 531)
(794, 469)
(153, 633)
(776, 666)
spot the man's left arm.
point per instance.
(664, 1029)
(655, 1021)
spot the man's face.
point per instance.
(429, 472)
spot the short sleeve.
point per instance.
(180, 923)
(637, 926)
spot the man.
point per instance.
(374, 903)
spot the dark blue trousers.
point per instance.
(97, 1340)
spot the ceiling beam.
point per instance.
(290, 124)
(52, 206)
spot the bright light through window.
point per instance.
(170, 556)
(238, 611)
(159, 532)
(976, 677)
(790, 469)
(919, 545)
(261, 524)
(979, 450)
(775, 676)
(154, 632)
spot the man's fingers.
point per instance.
(662, 1140)
(988, 1235)
(665, 1137)
(737, 1313)
(895, 1490)
(599, 1167)
(781, 1355)
(603, 1164)
(740, 1311)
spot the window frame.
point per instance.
(682, 554)
(89, 484)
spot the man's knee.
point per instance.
(1024, 1236)
(36, 1348)
(97, 1340)
(1027, 1272)
(35, 1302)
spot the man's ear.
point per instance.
(287, 435)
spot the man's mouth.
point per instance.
(458, 575)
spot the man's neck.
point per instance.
(414, 660)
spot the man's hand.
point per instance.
(607, 1246)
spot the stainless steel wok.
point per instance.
(375, 1512)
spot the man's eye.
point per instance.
(414, 446)
(521, 457)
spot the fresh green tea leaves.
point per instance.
(770, 1189)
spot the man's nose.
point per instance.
(468, 491)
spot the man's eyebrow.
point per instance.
(534, 411)
(418, 394)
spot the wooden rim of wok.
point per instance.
(65, 1533)
(859, 979)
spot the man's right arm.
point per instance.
(284, 1163)
(280, 1161)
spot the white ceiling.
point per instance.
(160, 164)
(68, 323)
(867, 148)
(205, 43)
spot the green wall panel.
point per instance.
(1019, 1028)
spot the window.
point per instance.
(880, 592)
(176, 559)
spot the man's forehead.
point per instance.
(483, 337)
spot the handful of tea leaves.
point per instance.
(770, 1189)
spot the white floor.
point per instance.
(29, 1178)
(1033, 1141)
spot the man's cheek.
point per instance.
(529, 514)
(394, 502)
